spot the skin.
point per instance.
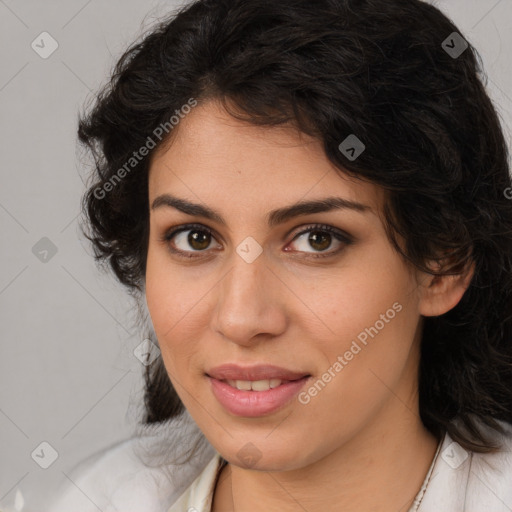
(359, 444)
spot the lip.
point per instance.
(251, 404)
(257, 372)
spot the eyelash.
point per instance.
(322, 228)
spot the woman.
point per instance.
(310, 199)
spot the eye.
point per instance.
(321, 237)
(191, 236)
(195, 238)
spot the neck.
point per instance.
(380, 469)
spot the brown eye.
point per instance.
(198, 240)
(320, 238)
(189, 239)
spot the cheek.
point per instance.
(368, 359)
(353, 298)
(178, 304)
(169, 294)
(370, 316)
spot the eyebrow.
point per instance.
(275, 217)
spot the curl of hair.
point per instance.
(333, 68)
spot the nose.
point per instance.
(249, 306)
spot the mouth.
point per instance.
(255, 385)
(255, 391)
(257, 373)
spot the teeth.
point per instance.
(255, 385)
(243, 384)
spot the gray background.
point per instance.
(68, 375)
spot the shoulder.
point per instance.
(117, 478)
(490, 478)
(469, 481)
(110, 477)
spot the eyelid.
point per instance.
(171, 232)
(324, 227)
(342, 236)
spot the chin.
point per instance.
(261, 453)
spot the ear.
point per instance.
(440, 294)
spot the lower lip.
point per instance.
(255, 403)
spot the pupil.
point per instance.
(313, 239)
(198, 239)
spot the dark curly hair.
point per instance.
(434, 143)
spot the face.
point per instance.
(315, 310)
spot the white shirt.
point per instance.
(117, 480)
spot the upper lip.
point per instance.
(257, 372)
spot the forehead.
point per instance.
(215, 158)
